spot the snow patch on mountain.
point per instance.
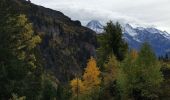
(135, 35)
(96, 26)
(129, 29)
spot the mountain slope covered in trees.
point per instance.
(66, 45)
(44, 55)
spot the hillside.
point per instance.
(66, 44)
(44, 55)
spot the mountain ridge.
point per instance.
(66, 44)
(159, 40)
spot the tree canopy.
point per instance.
(111, 42)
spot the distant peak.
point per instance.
(128, 25)
(95, 25)
(94, 21)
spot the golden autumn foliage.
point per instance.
(77, 86)
(90, 81)
(91, 77)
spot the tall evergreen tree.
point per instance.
(140, 76)
(109, 75)
(111, 42)
(17, 62)
(110, 72)
(128, 75)
(150, 76)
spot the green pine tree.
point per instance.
(150, 76)
(111, 42)
(140, 76)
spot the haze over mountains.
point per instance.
(135, 36)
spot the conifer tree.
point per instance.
(150, 76)
(111, 42)
(128, 75)
(140, 76)
(109, 76)
(89, 86)
(77, 87)
(18, 62)
(92, 80)
(110, 70)
(91, 77)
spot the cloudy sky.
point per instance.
(143, 12)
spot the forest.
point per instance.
(114, 72)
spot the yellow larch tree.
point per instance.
(77, 87)
(91, 75)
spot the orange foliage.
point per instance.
(77, 86)
(91, 76)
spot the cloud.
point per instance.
(87, 14)
(144, 12)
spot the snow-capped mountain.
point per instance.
(159, 40)
(135, 36)
(96, 26)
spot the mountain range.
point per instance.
(135, 36)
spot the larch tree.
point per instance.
(89, 84)
(22, 39)
(18, 62)
(91, 77)
(109, 76)
(92, 80)
(77, 87)
(110, 70)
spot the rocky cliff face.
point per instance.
(66, 45)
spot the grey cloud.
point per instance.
(144, 12)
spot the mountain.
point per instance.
(95, 26)
(66, 44)
(159, 40)
(135, 36)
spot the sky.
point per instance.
(152, 13)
